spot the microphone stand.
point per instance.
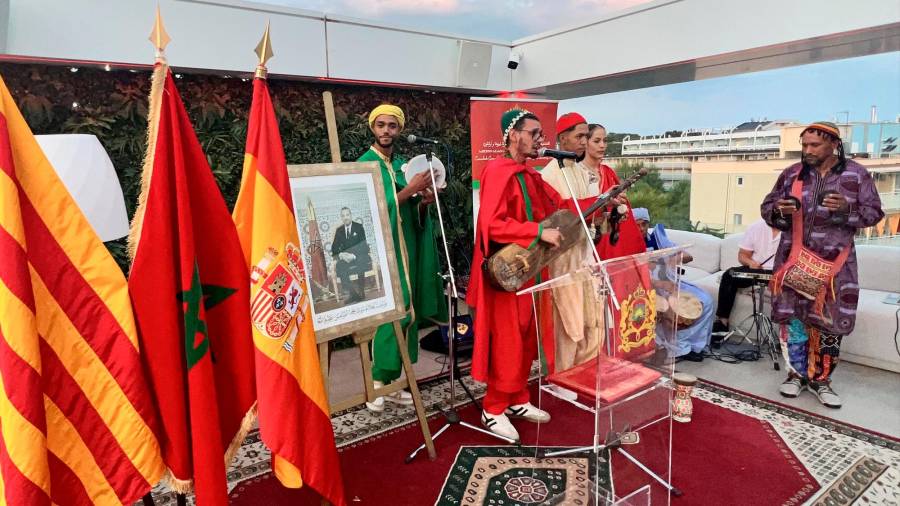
(450, 414)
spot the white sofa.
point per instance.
(872, 341)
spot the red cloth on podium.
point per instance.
(618, 378)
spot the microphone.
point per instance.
(555, 153)
(414, 139)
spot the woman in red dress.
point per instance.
(629, 239)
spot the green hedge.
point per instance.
(113, 106)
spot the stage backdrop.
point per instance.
(487, 140)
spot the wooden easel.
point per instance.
(364, 337)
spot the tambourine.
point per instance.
(420, 164)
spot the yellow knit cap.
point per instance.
(389, 109)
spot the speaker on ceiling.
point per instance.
(474, 65)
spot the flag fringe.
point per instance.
(178, 485)
(158, 81)
(246, 425)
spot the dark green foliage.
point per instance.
(113, 106)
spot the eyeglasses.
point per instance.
(536, 133)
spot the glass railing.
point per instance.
(890, 201)
(885, 240)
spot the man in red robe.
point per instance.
(514, 199)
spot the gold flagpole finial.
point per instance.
(264, 51)
(159, 37)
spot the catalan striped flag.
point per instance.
(293, 407)
(190, 290)
(76, 416)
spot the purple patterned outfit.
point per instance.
(812, 341)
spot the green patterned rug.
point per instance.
(512, 476)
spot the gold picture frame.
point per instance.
(350, 295)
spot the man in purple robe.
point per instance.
(838, 197)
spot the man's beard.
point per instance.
(384, 144)
(812, 160)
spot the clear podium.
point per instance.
(619, 375)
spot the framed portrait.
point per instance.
(347, 246)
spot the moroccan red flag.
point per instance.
(318, 273)
(634, 322)
(190, 289)
(294, 416)
(77, 418)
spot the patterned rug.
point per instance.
(511, 476)
(867, 479)
(830, 451)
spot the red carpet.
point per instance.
(721, 457)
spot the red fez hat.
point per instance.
(568, 121)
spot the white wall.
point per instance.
(221, 35)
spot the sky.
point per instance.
(822, 91)
(807, 93)
(489, 19)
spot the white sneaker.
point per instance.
(529, 412)
(401, 397)
(500, 425)
(376, 406)
(828, 397)
(791, 387)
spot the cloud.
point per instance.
(507, 19)
(386, 7)
(537, 16)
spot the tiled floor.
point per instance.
(871, 396)
(346, 371)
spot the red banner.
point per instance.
(487, 140)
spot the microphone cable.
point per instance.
(897, 331)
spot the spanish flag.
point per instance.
(76, 416)
(293, 407)
(190, 290)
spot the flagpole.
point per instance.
(160, 39)
(264, 52)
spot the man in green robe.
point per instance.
(416, 252)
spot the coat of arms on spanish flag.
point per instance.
(280, 295)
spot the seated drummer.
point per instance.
(690, 341)
(756, 253)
